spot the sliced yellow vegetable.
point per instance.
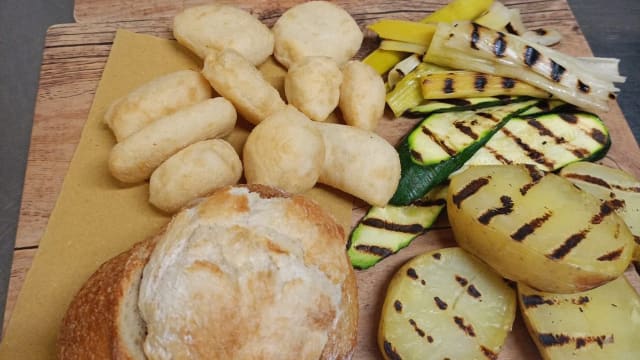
(402, 30)
(459, 10)
(407, 93)
(383, 60)
(496, 18)
(467, 84)
(402, 46)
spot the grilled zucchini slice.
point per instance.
(537, 228)
(445, 304)
(602, 323)
(383, 231)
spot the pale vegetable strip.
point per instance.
(407, 93)
(467, 84)
(474, 47)
(402, 46)
(383, 60)
(401, 69)
(499, 17)
(402, 30)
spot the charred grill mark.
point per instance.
(613, 255)
(465, 130)
(606, 208)
(473, 291)
(462, 281)
(390, 351)
(499, 45)
(544, 131)
(530, 227)
(429, 338)
(530, 301)
(411, 272)
(475, 36)
(496, 154)
(428, 203)
(435, 139)
(397, 305)
(598, 136)
(440, 304)
(470, 189)
(588, 178)
(531, 153)
(549, 339)
(505, 209)
(375, 250)
(390, 226)
(510, 29)
(568, 245)
(487, 116)
(540, 31)
(531, 56)
(580, 300)
(437, 256)
(456, 102)
(535, 174)
(508, 83)
(570, 118)
(488, 353)
(468, 329)
(544, 105)
(416, 155)
(448, 86)
(556, 71)
(583, 87)
(420, 332)
(480, 82)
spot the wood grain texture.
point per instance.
(74, 57)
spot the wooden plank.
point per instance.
(75, 55)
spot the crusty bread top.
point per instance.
(250, 273)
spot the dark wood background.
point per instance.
(611, 28)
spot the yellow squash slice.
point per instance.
(445, 304)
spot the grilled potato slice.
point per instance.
(537, 228)
(445, 304)
(617, 188)
(602, 323)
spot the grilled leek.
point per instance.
(466, 84)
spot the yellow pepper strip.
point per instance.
(459, 10)
(403, 46)
(406, 31)
(383, 60)
(468, 84)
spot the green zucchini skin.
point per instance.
(384, 231)
(417, 180)
(454, 105)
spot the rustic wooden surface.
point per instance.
(75, 55)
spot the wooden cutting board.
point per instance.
(74, 57)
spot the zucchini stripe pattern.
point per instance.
(383, 231)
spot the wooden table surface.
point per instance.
(74, 57)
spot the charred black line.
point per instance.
(583, 87)
(508, 83)
(557, 71)
(588, 178)
(531, 56)
(470, 189)
(441, 304)
(568, 245)
(598, 136)
(411, 272)
(505, 209)
(535, 174)
(433, 137)
(487, 116)
(397, 305)
(480, 82)
(510, 29)
(429, 338)
(375, 250)
(488, 353)
(530, 301)
(568, 117)
(390, 351)
(531, 153)
(613, 255)
(544, 105)
(544, 131)
(499, 45)
(468, 329)
(437, 256)
(473, 291)
(420, 332)
(448, 86)
(428, 203)
(456, 102)
(461, 280)
(530, 227)
(465, 130)
(606, 209)
(416, 155)
(475, 36)
(548, 339)
(496, 154)
(386, 225)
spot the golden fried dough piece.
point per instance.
(284, 151)
(316, 28)
(362, 95)
(155, 99)
(134, 159)
(216, 27)
(313, 86)
(192, 172)
(233, 77)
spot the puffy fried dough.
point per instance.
(134, 159)
(155, 99)
(362, 95)
(235, 78)
(216, 27)
(284, 151)
(192, 172)
(316, 28)
(313, 86)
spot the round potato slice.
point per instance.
(445, 304)
(362, 95)
(316, 28)
(216, 27)
(313, 86)
(537, 228)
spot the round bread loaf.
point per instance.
(250, 273)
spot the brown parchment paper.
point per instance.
(95, 217)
